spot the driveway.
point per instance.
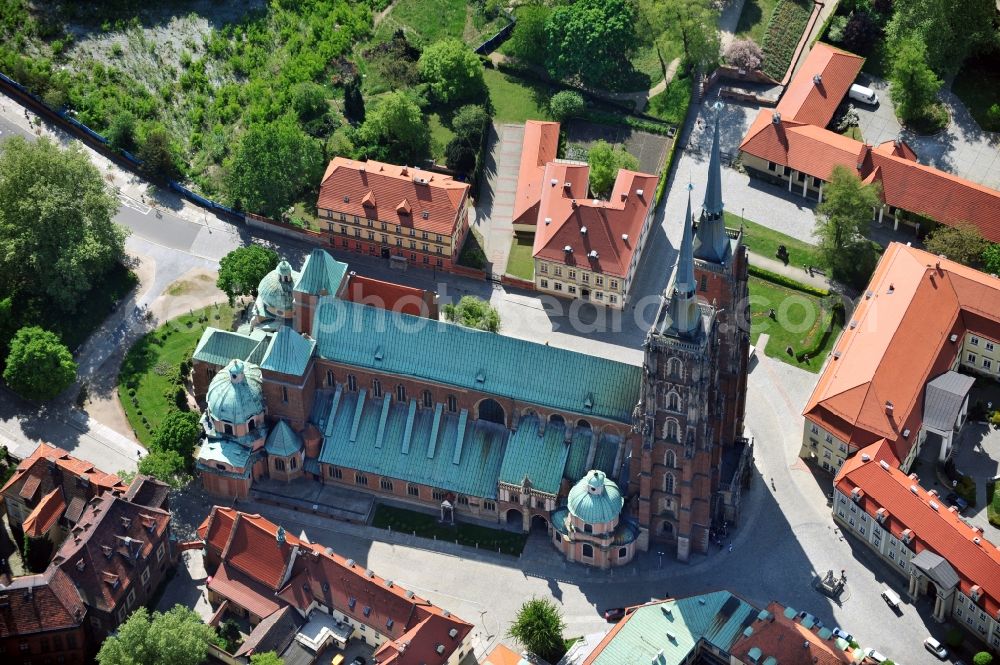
(962, 148)
(495, 207)
(977, 454)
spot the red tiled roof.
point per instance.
(243, 591)
(541, 143)
(34, 466)
(940, 530)
(806, 148)
(901, 339)
(253, 549)
(567, 218)
(389, 189)
(782, 638)
(811, 100)
(215, 529)
(52, 604)
(46, 513)
(386, 295)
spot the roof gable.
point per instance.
(289, 352)
(819, 85)
(321, 275)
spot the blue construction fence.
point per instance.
(496, 40)
(100, 143)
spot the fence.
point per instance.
(496, 40)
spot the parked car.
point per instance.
(957, 501)
(358, 661)
(875, 656)
(614, 614)
(843, 634)
(935, 648)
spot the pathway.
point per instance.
(495, 207)
(791, 271)
(729, 19)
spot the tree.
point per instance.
(453, 72)
(690, 22)
(590, 40)
(983, 658)
(744, 54)
(860, 32)
(460, 156)
(950, 30)
(165, 465)
(605, 162)
(990, 259)
(309, 100)
(914, 85)
(844, 216)
(354, 103)
(39, 365)
(158, 153)
(273, 164)
(179, 432)
(266, 658)
(527, 42)
(241, 270)
(469, 123)
(121, 132)
(539, 628)
(57, 236)
(566, 104)
(394, 131)
(176, 637)
(963, 243)
(473, 312)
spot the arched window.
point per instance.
(670, 459)
(670, 430)
(588, 551)
(556, 419)
(452, 404)
(667, 527)
(252, 424)
(674, 368)
(428, 399)
(227, 428)
(376, 387)
(588, 528)
(582, 424)
(668, 483)
(401, 393)
(674, 402)
(329, 377)
(352, 383)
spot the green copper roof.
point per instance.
(595, 499)
(539, 459)
(576, 461)
(283, 441)
(275, 290)
(321, 274)
(218, 347)
(235, 394)
(607, 452)
(452, 355)
(675, 627)
(228, 452)
(288, 353)
(378, 445)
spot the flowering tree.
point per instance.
(744, 54)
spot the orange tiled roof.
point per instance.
(52, 604)
(387, 295)
(782, 638)
(253, 549)
(899, 340)
(502, 655)
(541, 143)
(822, 81)
(75, 467)
(567, 218)
(395, 194)
(46, 513)
(941, 530)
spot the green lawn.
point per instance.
(428, 21)
(993, 505)
(150, 368)
(520, 264)
(978, 86)
(409, 521)
(764, 241)
(754, 18)
(440, 137)
(672, 104)
(516, 100)
(784, 30)
(801, 322)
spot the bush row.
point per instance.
(787, 282)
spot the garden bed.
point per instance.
(784, 31)
(428, 526)
(151, 370)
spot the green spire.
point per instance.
(712, 242)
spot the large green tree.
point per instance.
(605, 162)
(394, 131)
(273, 164)
(176, 637)
(241, 270)
(39, 366)
(963, 243)
(991, 259)
(539, 628)
(590, 40)
(950, 29)
(453, 72)
(158, 152)
(165, 465)
(842, 228)
(692, 23)
(473, 312)
(914, 84)
(57, 236)
(178, 432)
(528, 40)
(266, 658)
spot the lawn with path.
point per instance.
(672, 104)
(764, 241)
(428, 21)
(428, 526)
(150, 369)
(754, 19)
(800, 322)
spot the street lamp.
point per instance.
(660, 554)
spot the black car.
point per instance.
(614, 614)
(954, 499)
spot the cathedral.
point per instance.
(605, 457)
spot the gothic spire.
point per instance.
(684, 277)
(712, 243)
(712, 207)
(683, 315)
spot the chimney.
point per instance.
(776, 118)
(817, 80)
(888, 406)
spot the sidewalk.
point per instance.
(797, 273)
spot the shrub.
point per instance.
(566, 104)
(744, 54)
(983, 658)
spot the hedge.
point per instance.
(787, 282)
(835, 312)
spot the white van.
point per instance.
(862, 94)
(890, 597)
